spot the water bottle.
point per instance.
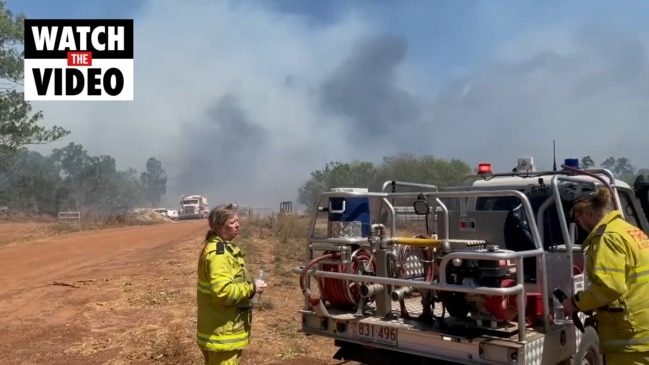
(559, 316)
(260, 277)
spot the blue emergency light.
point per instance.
(571, 162)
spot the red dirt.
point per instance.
(127, 297)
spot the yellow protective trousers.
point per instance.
(626, 358)
(222, 357)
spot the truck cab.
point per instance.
(193, 207)
(538, 185)
(633, 201)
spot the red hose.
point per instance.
(338, 293)
(303, 275)
(577, 269)
(343, 293)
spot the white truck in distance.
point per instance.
(474, 286)
(193, 207)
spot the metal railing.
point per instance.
(69, 217)
(517, 290)
(468, 192)
(438, 201)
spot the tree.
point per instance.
(336, 174)
(587, 162)
(154, 181)
(608, 164)
(94, 181)
(30, 181)
(72, 159)
(18, 124)
(404, 167)
(621, 167)
(624, 168)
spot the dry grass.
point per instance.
(25, 217)
(24, 228)
(90, 221)
(276, 327)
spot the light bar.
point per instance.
(484, 168)
(571, 162)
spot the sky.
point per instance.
(242, 99)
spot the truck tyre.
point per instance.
(588, 351)
(592, 357)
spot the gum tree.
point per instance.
(19, 124)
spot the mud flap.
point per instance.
(589, 341)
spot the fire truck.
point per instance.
(478, 283)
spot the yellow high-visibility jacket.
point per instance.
(617, 266)
(223, 297)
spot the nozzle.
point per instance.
(318, 306)
(368, 290)
(400, 293)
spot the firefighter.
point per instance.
(617, 266)
(224, 291)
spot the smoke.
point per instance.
(588, 92)
(226, 148)
(365, 91)
(241, 101)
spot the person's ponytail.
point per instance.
(602, 199)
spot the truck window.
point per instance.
(630, 213)
(497, 203)
(452, 204)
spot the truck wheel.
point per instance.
(588, 349)
(592, 357)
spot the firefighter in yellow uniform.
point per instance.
(617, 266)
(224, 291)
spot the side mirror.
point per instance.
(421, 207)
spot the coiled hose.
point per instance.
(403, 253)
(338, 293)
(343, 293)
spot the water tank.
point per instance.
(349, 216)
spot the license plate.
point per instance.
(376, 333)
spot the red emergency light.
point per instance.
(484, 168)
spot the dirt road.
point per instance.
(42, 322)
(127, 296)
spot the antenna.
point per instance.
(554, 155)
